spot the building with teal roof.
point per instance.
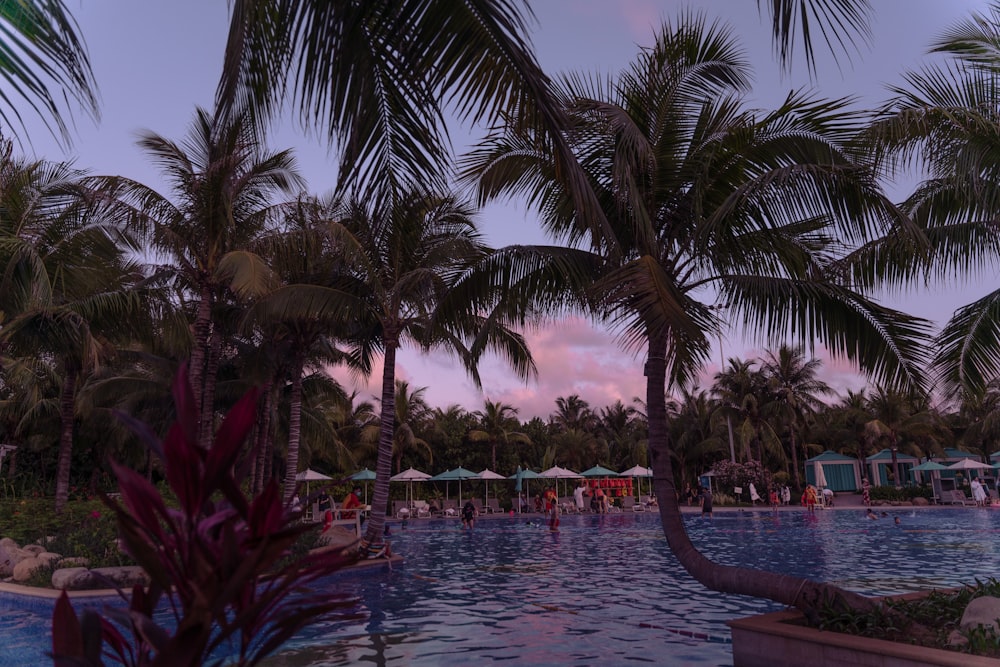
(879, 468)
(842, 473)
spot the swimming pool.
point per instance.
(605, 589)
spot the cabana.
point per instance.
(842, 473)
(879, 467)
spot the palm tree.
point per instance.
(45, 61)
(65, 292)
(797, 389)
(741, 391)
(901, 420)
(225, 190)
(497, 424)
(711, 204)
(945, 120)
(405, 259)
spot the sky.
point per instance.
(155, 62)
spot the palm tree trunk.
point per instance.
(202, 324)
(795, 457)
(383, 465)
(805, 594)
(294, 427)
(66, 416)
(212, 356)
(263, 436)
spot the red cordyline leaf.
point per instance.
(230, 437)
(266, 512)
(141, 499)
(184, 469)
(185, 405)
(67, 639)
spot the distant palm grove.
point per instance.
(676, 211)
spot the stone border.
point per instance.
(8, 590)
(776, 640)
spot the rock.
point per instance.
(8, 542)
(27, 568)
(49, 558)
(956, 639)
(73, 579)
(73, 561)
(125, 576)
(33, 549)
(920, 501)
(982, 611)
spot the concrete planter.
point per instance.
(778, 640)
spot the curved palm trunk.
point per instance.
(383, 466)
(294, 427)
(66, 416)
(805, 594)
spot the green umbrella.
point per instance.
(363, 475)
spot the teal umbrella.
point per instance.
(522, 477)
(363, 475)
(459, 474)
(599, 471)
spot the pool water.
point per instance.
(604, 589)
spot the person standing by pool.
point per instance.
(552, 507)
(772, 497)
(706, 502)
(809, 498)
(578, 497)
(468, 514)
(786, 495)
(866, 492)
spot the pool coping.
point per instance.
(37, 592)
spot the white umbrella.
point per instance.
(637, 471)
(410, 475)
(486, 475)
(970, 464)
(820, 476)
(310, 475)
(558, 472)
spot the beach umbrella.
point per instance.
(558, 472)
(970, 464)
(934, 468)
(363, 475)
(640, 472)
(310, 475)
(599, 471)
(410, 475)
(486, 475)
(521, 478)
(820, 476)
(518, 487)
(459, 474)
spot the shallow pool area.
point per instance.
(603, 590)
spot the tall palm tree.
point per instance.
(226, 194)
(405, 259)
(45, 61)
(945, 119)
(711, 204)
(65, 288)
(904, 421)
(741, 390)
(498, 425)
(797, 391)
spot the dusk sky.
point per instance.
(156, 61)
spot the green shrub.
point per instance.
(902, 494)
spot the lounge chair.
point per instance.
(401, 509)
(478, 504)
(956, 497)
(449, 508)
(493, 506)
(422, 509)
